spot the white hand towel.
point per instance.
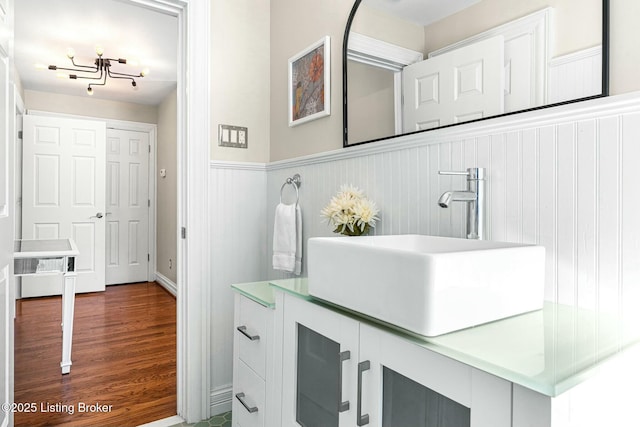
(287, 239)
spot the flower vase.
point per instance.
(356, 231)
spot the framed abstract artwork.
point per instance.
(309, 83)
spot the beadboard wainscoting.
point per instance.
(564, 177)
(575, 75)
(238, 254)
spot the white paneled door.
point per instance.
(64, 195)
(127, 201)
(458, 86)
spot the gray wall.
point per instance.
(88, 106)
(167, 196)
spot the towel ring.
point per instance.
(295, 181)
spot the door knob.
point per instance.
(98, 215)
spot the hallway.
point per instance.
(124, 359)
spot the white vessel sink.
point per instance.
(425, 284)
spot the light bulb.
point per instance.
(144, 72)
(71, 53)
(89, 91)
(40, 67)
(99, 50)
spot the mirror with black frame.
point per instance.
(416, 65)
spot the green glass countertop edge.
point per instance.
(550, 337)
(296, 286)
(260, 292)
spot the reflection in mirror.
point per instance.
(415, 65)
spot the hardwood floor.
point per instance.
(123, 354)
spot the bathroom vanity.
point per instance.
(301, 361)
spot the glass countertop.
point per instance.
(260, 292)
(297, 286)
(549, 350)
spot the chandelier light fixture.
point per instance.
(99, 71)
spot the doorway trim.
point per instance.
(193, 154)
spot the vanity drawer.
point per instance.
(248, 397)
(251, 332)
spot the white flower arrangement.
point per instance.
(350, 213)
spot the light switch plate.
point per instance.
(233, 136)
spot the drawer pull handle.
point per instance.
(251, 409)
(243, 331)
(361, 419)
(344, 406)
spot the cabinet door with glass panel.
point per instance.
(320, 354)
(338, 371)
(406, 385)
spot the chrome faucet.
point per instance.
(474, 197)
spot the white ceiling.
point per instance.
(421, 12)
(45, 29)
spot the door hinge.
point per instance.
(183, 233)
(19, 134)
(148, 257)
(149, 147)
(148, 203)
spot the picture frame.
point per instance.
(309, 83)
